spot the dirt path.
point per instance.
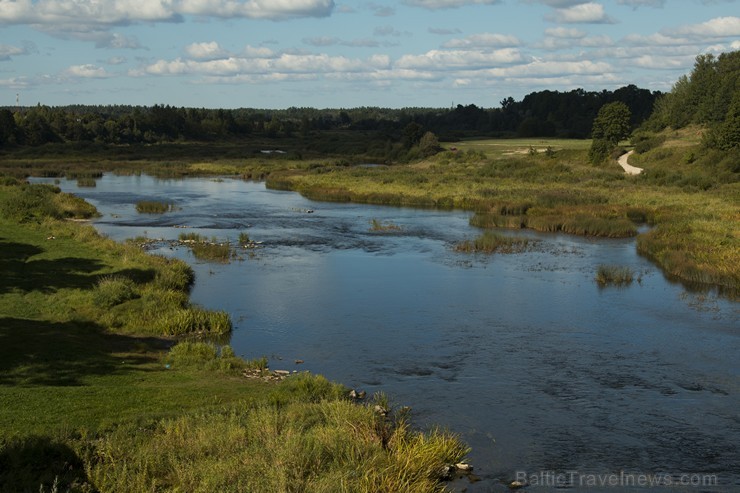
(628, 168)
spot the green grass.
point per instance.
(96, 397)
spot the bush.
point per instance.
(600, 150)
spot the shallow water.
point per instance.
(542, 372)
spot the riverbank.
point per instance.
(687, 194)
(98, 396)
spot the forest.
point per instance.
(539, 114)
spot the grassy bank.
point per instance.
(97, 395)
(687, 197)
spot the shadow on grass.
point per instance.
(34, 352)
(23, 273)
(34, 464)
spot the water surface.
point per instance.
(540, 370)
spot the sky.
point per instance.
(276, 54)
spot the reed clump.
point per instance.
(614, 275)
(86, 182)
(377, 225)
(193, 321)
(154, 207)
(213, 252)
(490, 242)
(113, 290)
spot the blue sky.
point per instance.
(334, 53)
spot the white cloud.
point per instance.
(584, 13)
(74, 18)
(484, 40)
(116, 60)
(285, 63)
(659, 62)
(205, 51)
(258, 9)
(458, 59)
(718, 27)
(565, 33)
(86, 72)
(547, 68)
(447, 4)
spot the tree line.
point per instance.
(539, 114)
(708, 96)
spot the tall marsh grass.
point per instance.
(325, 444)
(154, 207)
(193, 321)
(490, 242)
(614, 275)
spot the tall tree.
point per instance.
(611, 125)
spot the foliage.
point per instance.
(707, 96)
(367, 130)
(611, 125)
(600, 151)
(429, 145)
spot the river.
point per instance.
(549, 377)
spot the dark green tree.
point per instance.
(612, 124)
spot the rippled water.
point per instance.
(541, 371)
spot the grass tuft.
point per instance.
(614, 275)
(490, 242)
(154, 207)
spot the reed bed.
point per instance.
(614, 275)
(87, 182)
(490, 242)
(154, 207)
